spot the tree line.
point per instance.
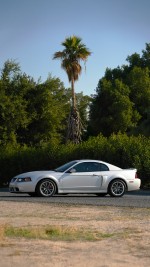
(122, 99)
(34, 113)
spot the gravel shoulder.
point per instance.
(125, 236)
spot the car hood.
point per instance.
(37, 174)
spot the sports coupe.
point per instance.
(78, 176)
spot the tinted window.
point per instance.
(90, 167)
(65, 167)
(81, 167)
(104, 167)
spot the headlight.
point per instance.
(25, 179)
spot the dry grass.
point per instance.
(2, 231)
(32, 233)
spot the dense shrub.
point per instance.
(120, 150)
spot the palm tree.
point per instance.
(74, 51)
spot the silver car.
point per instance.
(78, 176)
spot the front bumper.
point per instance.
(22, 187)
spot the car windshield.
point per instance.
(66, 166)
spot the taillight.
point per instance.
(136, 175)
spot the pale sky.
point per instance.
(31, 31)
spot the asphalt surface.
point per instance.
(139, 199)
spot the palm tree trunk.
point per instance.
(74, 127)
(73, 94)
(74, 122)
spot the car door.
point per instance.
(84, 177)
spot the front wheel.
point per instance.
(117, 188)
(46, 188)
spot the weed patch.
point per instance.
(58, 233)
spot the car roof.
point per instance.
(92, 160)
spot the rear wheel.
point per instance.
(46, 188)
(117, 188)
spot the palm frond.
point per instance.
(59, 55)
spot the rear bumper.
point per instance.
(134, 184)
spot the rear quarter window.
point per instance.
(104, 167)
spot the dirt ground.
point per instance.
(126, 239)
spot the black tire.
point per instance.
(117, 188)
(46, 188)
(101, 194)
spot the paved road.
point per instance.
(140, 199)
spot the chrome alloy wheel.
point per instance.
(46, 188)
(117, 188)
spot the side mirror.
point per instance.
(72, 171)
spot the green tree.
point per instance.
(13, 114)
(112, 110)
(31, 113)
(139, 82)
(48, 108)
(122, 100)
(146, 56)
(134, 60)
(74, 52)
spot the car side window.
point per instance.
(104, 167)
(97, 167)
(81, 167)
(90, 167)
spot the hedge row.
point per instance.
(120, 150)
